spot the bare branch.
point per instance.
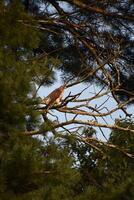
(84, 122)
(109, 145)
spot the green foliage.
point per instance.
(32, 169)
(63, 176)
(110, 176)
(107, 174)
(21, 162)
(15, 75)
(62, 166)
(20, 71)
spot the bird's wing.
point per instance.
(55, 94)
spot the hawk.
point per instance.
(54, 97)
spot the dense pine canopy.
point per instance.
(91, 42)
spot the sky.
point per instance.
(44, 91)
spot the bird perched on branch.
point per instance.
(54, 97)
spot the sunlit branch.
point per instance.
(80, 122)
(88, 140)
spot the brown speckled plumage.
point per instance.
(54, 97)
